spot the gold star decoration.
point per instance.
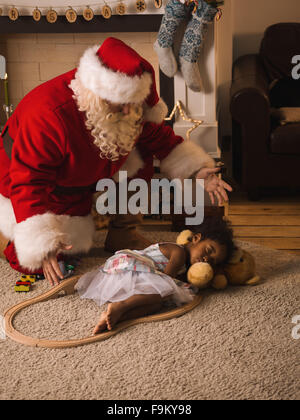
(179, 107)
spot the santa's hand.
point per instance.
(51, 269)
(215, 186)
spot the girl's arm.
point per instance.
(176, 256)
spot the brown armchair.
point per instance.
(265, 153)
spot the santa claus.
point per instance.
(69, 133)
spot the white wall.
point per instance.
(250, 18)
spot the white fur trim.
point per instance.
(157, 113)
(7, 218)
(111, 85)
(133, 164)
(184, 160)
(39, 235)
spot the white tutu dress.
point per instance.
(129, 273)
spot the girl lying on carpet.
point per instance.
(136, 283)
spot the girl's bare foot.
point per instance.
(114, 312)
(101, 326)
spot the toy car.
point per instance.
(67, 269)
(22, 286)
(30, 278)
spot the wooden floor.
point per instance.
(272, 222)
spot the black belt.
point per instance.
(59, 190)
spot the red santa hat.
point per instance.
(117, 73)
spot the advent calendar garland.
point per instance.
(13, 13)
(88, 12)
(106, 12)
(37, 14)
(121, 9)
(71, 15)
(51, 16)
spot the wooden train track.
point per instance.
(68, 287)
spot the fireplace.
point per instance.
(24, 40)
(39, 51)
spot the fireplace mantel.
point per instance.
(127, 23)
(201, 105)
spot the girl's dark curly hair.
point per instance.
(217, 229)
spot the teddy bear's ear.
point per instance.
(219, 282)
(253, 281)
(236, 255)
(184, 237)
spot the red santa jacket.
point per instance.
(46, 184)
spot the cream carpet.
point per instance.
(237, 344)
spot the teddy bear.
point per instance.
(198, 13)
(239, 270)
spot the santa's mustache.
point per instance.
(135, 114)
(114, 133)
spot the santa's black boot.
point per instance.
(123, 233)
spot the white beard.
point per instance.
(114, 133)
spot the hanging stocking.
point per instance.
(175, 13)
(192, 44)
